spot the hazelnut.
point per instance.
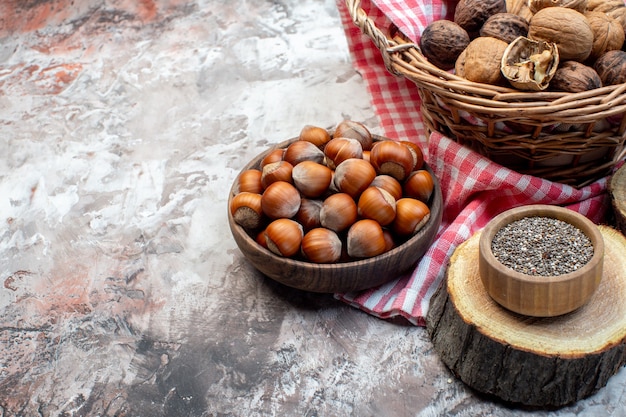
(309, 213)
(388, 183)
(338, 212)
(611, 67)
(574, 77)
(472, 14)
(377, 204)
(302, 150)
(284, 237)
(250, 180)
(505, 26)
(392, 158)
(246, 210)
(272, 156)
(338, 149)
(569, 29)
(276, 171)
(352, 176)
(365, 239)
(419, 185)
(442, 42)
(416, 151)
(280, 199)
(411, 216)
(311, 178)
(315, 134)
(321, 245)
(354, 130)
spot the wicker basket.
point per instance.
(571, 138)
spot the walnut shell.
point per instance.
(611, 67)
(442, 42)
(605, 6)
(574, 77)
(608, 33)
(530, 65)
(472, 14)
(619, 14)
(459, 65)
(520, 8)
(569, 29)
(505, 26)
(481, 60)
(578, 5)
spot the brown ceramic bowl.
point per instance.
(342, 276)
(540, 296)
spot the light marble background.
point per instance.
(122, 126)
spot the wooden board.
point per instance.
(520, 359)
(617, 191)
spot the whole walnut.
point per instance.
(481, 61)
(520, 8)
(472, 14)
(608, 34)
(442, 42)
(569, 29)
(578, 5)
(611, 67)
(505, 26)
(605, 6)
(619, 14)
(574, 77)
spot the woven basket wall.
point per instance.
(571, 138)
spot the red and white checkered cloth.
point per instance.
(474, 188)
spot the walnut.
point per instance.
(442, 42)
(608, 33)
(605, 6)
(569, 29)
(578, 5)
(520, 8)
(459, 65)
(480, 62)
(574, 77)
(530, 65)
(472, 14)
(505, 26)
(613, 8)
(611, 67)
(619, 14)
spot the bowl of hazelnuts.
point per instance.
(335, 210)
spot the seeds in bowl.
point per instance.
(542, 246)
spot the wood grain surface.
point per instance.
(544, 362)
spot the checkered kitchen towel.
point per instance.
(475, 189)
